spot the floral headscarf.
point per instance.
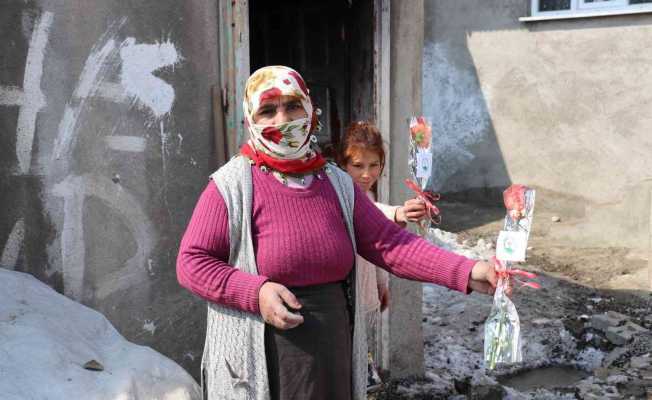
(284, 147)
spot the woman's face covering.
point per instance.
(279, 110)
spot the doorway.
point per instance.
(331, 44)
(340, 47)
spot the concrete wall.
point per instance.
(559, 105)
(405, 341)
(106, 143)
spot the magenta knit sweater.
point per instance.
(300, 239)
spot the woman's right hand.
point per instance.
(272, 298)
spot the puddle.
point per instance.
(546, 378)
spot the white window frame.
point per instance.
(583, 5)
(580, 8)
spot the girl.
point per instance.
(362, 155)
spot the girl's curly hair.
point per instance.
(360, 135)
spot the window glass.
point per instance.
(554, 5)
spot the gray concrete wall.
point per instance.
(406, 30)
(559, 105)
(106, 143)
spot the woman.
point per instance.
(271, 245)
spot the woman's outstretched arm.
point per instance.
(408, 256)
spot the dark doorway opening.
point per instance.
(331, 44)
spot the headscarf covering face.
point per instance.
(286, 141)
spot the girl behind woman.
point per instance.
(362, 155)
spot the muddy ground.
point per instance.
(565, 356)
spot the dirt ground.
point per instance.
(564, 357)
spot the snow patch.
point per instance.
(590, 358)
(47, 338)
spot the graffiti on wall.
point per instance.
(30, 100)
(135, 85)
(74, 189)
(13, 245)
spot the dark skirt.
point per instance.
(313, 360)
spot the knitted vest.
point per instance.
(233, 363)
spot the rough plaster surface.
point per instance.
(562, 101)
(108, 119)
(459, 116)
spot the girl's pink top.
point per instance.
(300, 239)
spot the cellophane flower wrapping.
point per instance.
(420, 157)
(502, 335)
(502, 331)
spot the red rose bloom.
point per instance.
(514, 198)
(421, 132)
(270, 94)
(272, 134)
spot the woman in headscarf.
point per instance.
(271, 245)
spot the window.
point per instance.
(595, 4)
(589, 7)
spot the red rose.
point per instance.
(514, 198)
(270, 94)
(300, 81)
(421, 133)
(272, 134)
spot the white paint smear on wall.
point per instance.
(11, 96)
(139, 62)
(149, 326)
(33, 99)
(113, 92)
(453, 99)
(180, 137)
(134, 144)
(74, 189)
(138, 85)
(95, 68)
(13, 246)
(164, 147)
(73, 247)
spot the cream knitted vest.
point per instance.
(233, 364)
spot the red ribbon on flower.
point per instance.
(505, 273)
(428, 198)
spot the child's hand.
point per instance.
(413, 210)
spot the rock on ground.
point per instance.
(46, 340)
